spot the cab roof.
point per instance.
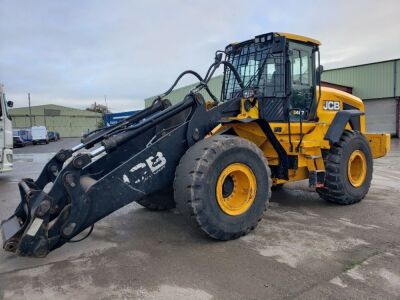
(300, 38)
(290, 36)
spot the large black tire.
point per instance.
(277, 187)
(338, 187)
(197, 177)
(159, 201)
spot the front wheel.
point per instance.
(348, 167)
(222, 186)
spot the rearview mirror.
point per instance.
(218, 57)
(10, 104)
(319, 71)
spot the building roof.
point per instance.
(364, 64)
(369, 81)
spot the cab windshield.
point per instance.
(258, 68)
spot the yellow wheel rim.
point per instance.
(357, 168)
(236, 189)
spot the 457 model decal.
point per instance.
(144, 170)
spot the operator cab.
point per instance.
(280, 70)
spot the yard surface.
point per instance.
(303, 248)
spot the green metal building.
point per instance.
(69, 122)
(378, 84)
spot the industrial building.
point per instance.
(69, 122)
(377, 83)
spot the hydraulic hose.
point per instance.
(178, 79)
(90, 141)
(114, 141)
(96, 136)
(197, 75)
(204, 82)
(234, 71)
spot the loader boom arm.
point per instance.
(138, 159)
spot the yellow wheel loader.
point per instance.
(214, 158)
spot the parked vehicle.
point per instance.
(39, 135)
(6, 152)
(24, 133)
(18, 141)
(52, 136)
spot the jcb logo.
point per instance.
(331, 105)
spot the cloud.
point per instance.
(75, 52)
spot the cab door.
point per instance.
(302, 80)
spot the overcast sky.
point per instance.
(73, 53)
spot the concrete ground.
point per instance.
(303, 248)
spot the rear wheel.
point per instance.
(348, 166)
(159, 201)
(222, 186)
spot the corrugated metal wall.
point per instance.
(379, 85)
(177, 95)
(69, 122)
(371, 81)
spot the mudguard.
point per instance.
(338, 124)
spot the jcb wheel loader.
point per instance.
(216, 160)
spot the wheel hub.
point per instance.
(227, 187)
(236, 189)
(357, 168)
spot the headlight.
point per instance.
(248, 93)
(229, 49)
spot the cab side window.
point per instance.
(271, 82)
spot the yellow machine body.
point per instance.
(309, 154)
(306, 140)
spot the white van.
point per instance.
(39, 135)
(6, 134)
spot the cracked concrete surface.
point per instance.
(303, 248)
